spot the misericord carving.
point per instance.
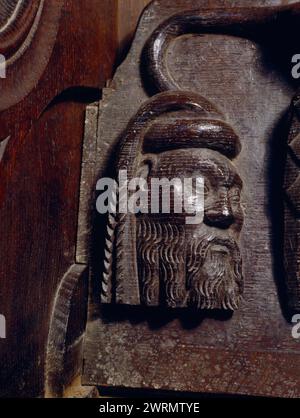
(159, 259)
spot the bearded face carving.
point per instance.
(193, 265)
(159, 258)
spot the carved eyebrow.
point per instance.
(221, 171)
(227, 171)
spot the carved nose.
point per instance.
(219, 214)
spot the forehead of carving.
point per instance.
(205, 163)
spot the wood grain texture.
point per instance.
(62, 366)
(57, 64)
(159, 259)
(43, 102)
(248, 352)
(243, 22)
(20, 20)
(129, 12)
(24, 40)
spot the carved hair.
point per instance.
(173, 269)
(204, 128)
(222, 285)
(161, 250)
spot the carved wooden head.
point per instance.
(161, 259)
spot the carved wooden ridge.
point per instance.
(292, 208)
(18, 23)
(242, 22)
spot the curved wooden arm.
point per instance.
(237, 21)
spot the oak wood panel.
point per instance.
(247, 352)
(45, 95)
(129, 12)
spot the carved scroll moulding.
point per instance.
(19, 21)
(27, 35)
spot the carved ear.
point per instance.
(145, 166)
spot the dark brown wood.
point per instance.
(62, 366)
(243, 22)
(246, 75)
(43, 98)
(129, 12)
(159, 258)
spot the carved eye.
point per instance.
(235, 195)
